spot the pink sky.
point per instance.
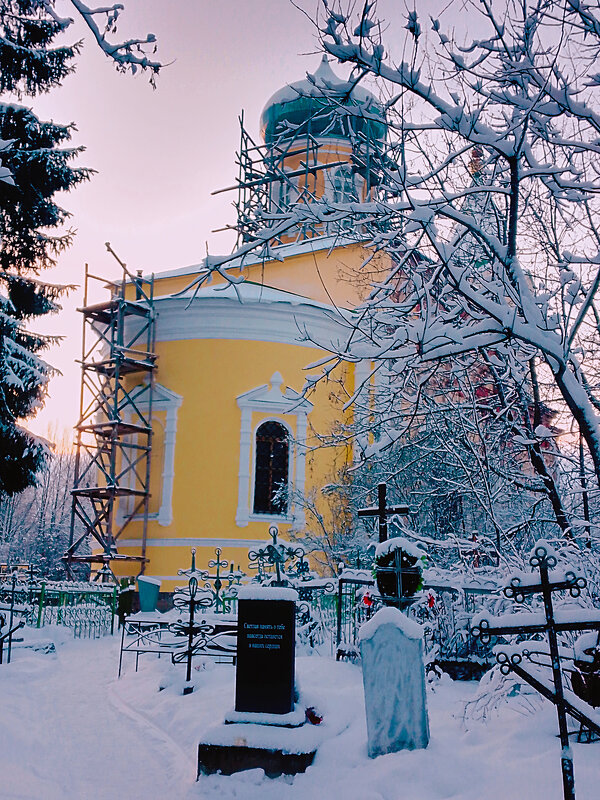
(159, 154)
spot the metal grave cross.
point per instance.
(382, 511)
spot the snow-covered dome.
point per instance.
(309, 105)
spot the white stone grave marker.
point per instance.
(391, 647)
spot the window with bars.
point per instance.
(271, 469)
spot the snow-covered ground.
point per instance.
(70, 731)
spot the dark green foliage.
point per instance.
(21, 458)
(28, 62)
(406, 579)
(31, 226)
(40, 169)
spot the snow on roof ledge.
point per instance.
(245, 292)
(255, 592)
(287, 250)
(390, 616)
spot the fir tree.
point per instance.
(39, 168)
(36, 165)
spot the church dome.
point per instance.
(309, 105)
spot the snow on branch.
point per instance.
(130, 55)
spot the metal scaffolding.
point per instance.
(114, 433)
(266, 185)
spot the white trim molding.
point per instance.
(261, 314)
(166, 400)
(363, 403)
(173, 541)
(277, 404)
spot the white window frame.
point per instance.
(277, 406)
(342, 180)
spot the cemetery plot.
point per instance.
(144, 634)
(262, 731)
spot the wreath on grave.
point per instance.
(585, 679)
(399, 566)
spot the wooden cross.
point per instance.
(382, 511)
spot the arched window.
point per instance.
(344, 186)
(271, 469)
(259, 477)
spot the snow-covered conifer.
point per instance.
(36, 165)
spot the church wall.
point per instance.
(209, 375)
(321, 275)
(224, 364)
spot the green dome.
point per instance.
(308, 105)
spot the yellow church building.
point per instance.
(234, 444)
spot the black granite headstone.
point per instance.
(264, 678)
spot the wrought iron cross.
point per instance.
(218, 564)
(382, 511)
(276, 554)
(188, 597)
(509, 660)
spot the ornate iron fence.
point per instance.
(89, 609)
(444, 610)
